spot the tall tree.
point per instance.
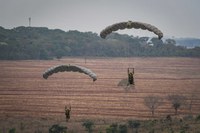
(153, 102)
(88, 124)
(177, 101)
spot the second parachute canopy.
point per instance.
(73, 68)
(129, 25)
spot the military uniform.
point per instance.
(130, 77)
(67, 112)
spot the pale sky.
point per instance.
(178, 18)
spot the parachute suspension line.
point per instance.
(130, 68)
(129, 56)
(85, 56)
(129, 23)
(85, 59)
(125, 60)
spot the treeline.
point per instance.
(43, 43)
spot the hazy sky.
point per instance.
(179, 18)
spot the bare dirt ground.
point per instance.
(28, 99)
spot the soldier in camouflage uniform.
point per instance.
(67, 112)
(131, 77)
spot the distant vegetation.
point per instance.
(43, 43)
(188, 42)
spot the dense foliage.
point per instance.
(43, 43)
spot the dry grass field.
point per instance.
(26, 99)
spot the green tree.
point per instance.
(28, 42)
(59, 53)
(12, 130)
(113, 128)
(153, 102)
(57, 129)
(88, 124)
(177, 101)
(22, 126)
(197, 118)
(134, 124)
(123, 128)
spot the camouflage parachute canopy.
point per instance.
(129, 25)
(69, 68)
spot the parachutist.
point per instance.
(131, 77)
(67, 112)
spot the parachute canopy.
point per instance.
(69, 68)
(129, 25)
